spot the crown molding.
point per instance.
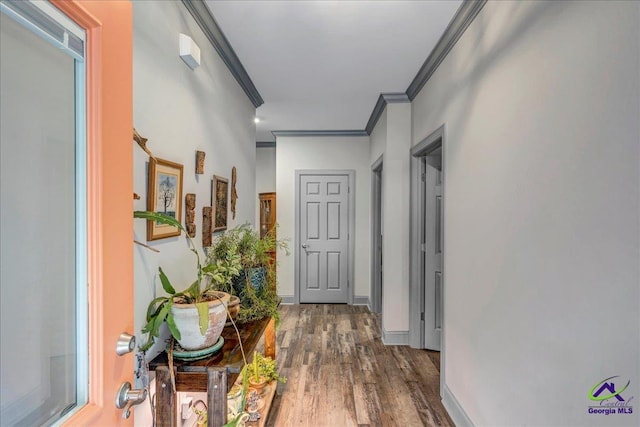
(213, 32)
(466, 13)
(265, 144)
(278, 133)
(383, 100)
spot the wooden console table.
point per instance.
(213, 375)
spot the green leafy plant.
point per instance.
(262, 366)
(244, 243)
(200, 292)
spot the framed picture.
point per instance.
(219, 202)
(164, 196)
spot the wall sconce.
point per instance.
(189, 51)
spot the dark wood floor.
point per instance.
(340, 374)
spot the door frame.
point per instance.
(376, 235)
(416, 293)
(350, 173)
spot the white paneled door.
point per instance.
(323, 202)
(433, 239)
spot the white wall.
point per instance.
(265, 169)
(379, 138)
(395, 223)
(391, 137)
(181, 111)
(297, 153)
(265, 173)
(542, 234)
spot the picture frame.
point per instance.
(164, 196)
(220, 202)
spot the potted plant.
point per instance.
(261, 371)
(222, 266)
(256, 283)
(195, 316)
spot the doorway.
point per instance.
(427, 243)
(324, 248)
(376, 237)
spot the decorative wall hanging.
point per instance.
(219, 202)
(234, 193)
(165, 196)
(142, 142)
(190, 210)
(200, 162)
(206, 226)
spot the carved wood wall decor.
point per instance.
(220, 202)
(206, 226)
(190, 209)
(234, 193)
(200, 162)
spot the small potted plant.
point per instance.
(261, 371)
(195, 316)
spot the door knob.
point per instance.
(128, 397)
(305, 246)
(126, 344)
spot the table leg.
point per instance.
(166, 405)
(217, 396)
(270, 339)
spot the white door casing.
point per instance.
(377, 265)
(323, 236)
(428, 297)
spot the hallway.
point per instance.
(340, 374)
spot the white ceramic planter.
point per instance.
(187, 322)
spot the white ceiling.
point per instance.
(321, 65)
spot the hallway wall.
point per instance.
(265, 173)
(335, 152)
(391, 138)
(181, 111)
(265, 169)
(542, 209)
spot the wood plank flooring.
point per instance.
(340, 374)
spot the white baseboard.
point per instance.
(395, 337)
(357, 300)
(288, 299)
(362, 300)
(454, 409)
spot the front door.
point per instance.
(324, 209)
(66, 218)
(432, 250)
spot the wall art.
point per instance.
(206, 226)
(200, 162)
(164, 196)
(190, 211)
(219, 202)
(234, 193)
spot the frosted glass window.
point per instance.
(42, 331)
